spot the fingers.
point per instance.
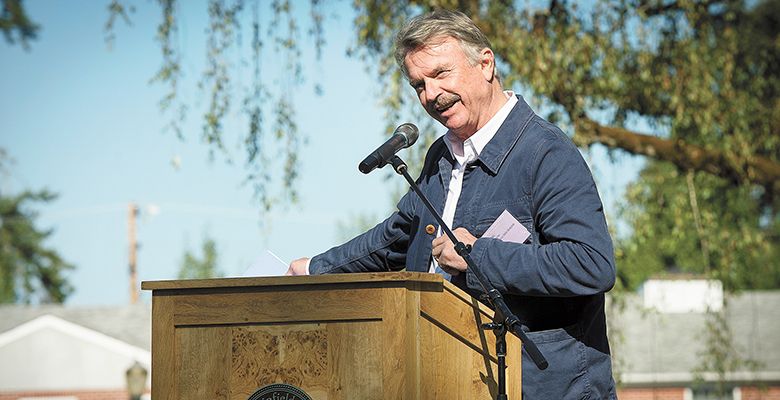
(440, 241)
(437, 248)
(298, 267)
(464, 235)
(443, 251)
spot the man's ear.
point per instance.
(487, 63)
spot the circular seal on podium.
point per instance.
(279, 391)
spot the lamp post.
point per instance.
(136, 381)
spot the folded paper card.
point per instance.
(508, 229)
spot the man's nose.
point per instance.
(432, 90)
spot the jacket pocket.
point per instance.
(565, 378)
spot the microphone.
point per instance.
(404, 136)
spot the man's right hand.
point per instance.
(299, 267)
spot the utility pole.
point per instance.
(131, 216)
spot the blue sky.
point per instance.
(83, 121)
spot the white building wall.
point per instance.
(57, 356)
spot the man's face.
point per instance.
(451, 90)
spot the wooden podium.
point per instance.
(398, 335)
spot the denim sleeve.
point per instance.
(382, 248)
(573, 255)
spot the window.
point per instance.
(710, 392)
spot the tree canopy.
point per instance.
(692, 85)
(700, 76)
(204, 266)
(29, 270)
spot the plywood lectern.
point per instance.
(344, 336)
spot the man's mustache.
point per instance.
(445, 101)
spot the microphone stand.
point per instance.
(503, 319)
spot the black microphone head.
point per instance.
(409, 131)
(404, 136)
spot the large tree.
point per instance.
(701, 80)
(702, 77)
(703, 74)
(692, 85)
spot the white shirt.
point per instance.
(466, 151)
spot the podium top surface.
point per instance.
(350, 278)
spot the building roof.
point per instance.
(654, 348)
(130, 324)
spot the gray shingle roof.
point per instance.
(130, 324)
(651, 347)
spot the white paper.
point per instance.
(508, 229)
(267, 264)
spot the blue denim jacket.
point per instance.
(555, 282)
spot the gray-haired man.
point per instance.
(498, 156)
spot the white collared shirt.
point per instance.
(466, 151)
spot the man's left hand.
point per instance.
(299, 267)
(444, 251)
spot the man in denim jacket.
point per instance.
(497, 156)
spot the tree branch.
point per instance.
(15, 22)
(657, 8)
(756, 169)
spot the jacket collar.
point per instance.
(496, 151)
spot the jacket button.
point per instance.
(430, 229)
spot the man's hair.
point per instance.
(424, 30)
